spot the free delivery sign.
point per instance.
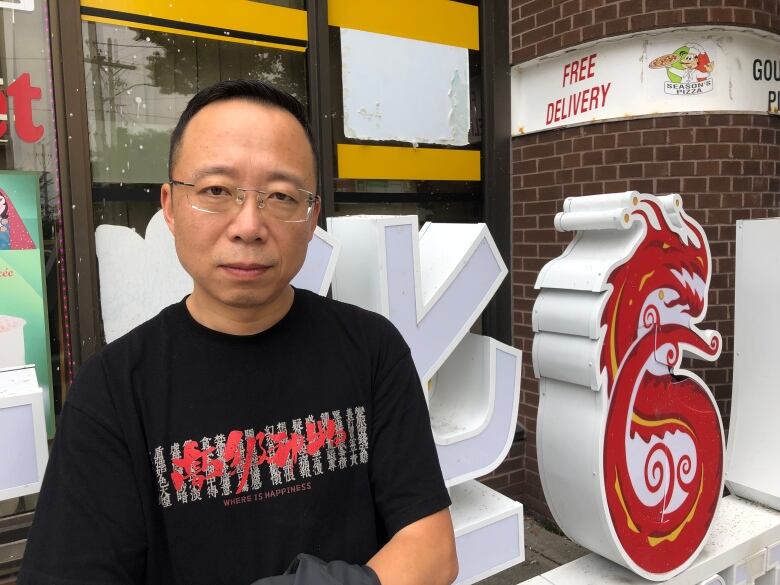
(648, 74)
(24, 330)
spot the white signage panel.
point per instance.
(433, 285)
(404, 89)
(752, 471)
(630, 443)
(25, 450)
(679, 71)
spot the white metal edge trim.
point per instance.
(35, 400)
(474, 315)
(330, 270)
(516, 510)
(459, 479)
(491, 365)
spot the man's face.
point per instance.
(240, 259)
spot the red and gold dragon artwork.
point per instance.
(663, 437)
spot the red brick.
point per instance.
(573, 37)
(606, 173)
(570, 7)
(696, 15)
(538, 34)
(583, 19)
(604, 13)
(668, 153)
(629, 171)
(658, 5)
(667, 186)
(706, 135)
(552, 14)
(595, 157)
(715, 151)
(641, 154)
(618, 155)
(643, 21)
(655, 137)
(631, 7)
(669, 18)
(562, 25)
(593, 31)
(659, 169)
(629, 139)
(533, 7)
(617, 26)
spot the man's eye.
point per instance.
(282, 196)
(216, 191)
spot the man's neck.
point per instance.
(236, 320)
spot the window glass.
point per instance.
(32, 266)
(28, 143)
(443, 201)
(138, 83)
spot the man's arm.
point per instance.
(89, 525)
(422, 553)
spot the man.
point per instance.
(250, 422)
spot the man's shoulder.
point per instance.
(350, 315)
(367, 331)
(123, 353)
(168, 319)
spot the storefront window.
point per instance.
(441, 201)
(430, 200)
(138, 83)
(33, 302)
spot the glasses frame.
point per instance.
(240, 197)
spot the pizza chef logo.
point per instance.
(689, 70)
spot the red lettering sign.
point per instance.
(22, 94)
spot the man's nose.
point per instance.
(249, 223)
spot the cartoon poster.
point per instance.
(24, 330)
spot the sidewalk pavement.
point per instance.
(544, 550)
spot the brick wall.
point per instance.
(726, 166)
(540, 27)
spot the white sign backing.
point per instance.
(685, 70)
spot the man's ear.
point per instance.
(315, 216)
(166, 200)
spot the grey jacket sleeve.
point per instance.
(309, 570)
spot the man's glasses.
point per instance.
(287, 204)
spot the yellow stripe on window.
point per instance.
(179, 31)
(436, 21)
(207, 19)
(397, 162)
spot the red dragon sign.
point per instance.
(634, 284)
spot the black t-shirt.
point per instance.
(185, 455)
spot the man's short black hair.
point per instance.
(246, 89)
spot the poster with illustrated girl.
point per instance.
(24, 323)
(13, 233)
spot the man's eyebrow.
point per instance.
(228, 171)
(279, 175)
(213, 170)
